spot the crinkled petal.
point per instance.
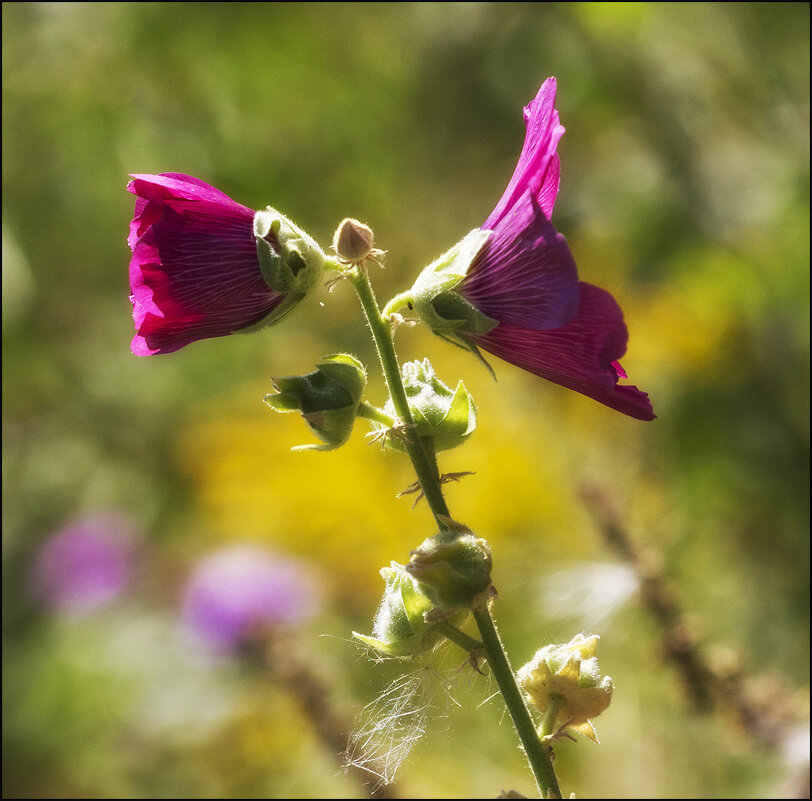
(538, 170)
(194, 272)
(171, 186)
(582, 355)
(177, 186)
(526, 275)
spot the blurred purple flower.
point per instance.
(86, 564)
(194, 271)
(237, 591)
(525, 279)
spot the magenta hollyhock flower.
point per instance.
(511, 287)
(85, 565)
(237, 591)
(201, 268)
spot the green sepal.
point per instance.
(460, 419)
(325, 425)
(327, 398)
(443, 310)
(400, 628)
(289, 259)
(450, 268)
(447, 417)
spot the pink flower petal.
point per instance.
(538, 170)
(526, 274)
(551, 325)
(176, 186)
(194, 271)
(581, 355)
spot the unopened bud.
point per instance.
(327, 398)
(400, 628)
(453, 569)
(449, 418)
(353, 241)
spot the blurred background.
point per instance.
(685, 192)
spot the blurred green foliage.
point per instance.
(685, 192)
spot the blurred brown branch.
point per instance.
(712, 676)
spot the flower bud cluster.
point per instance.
(447, 575)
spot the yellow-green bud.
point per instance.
(453, 569)
(568, 676)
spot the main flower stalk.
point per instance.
(538, 754)
(425, 465)
(382, 335)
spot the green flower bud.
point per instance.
(290, 260)
(446, 312)
(453, 569)
(449, 418)
(568, 675)
(327, 398)
(400, 628)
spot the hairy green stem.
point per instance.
(550, 716)
(397, 303)
(458, 637)
(424, 460)
(538, 754)
(382, 336)
(373, 413)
